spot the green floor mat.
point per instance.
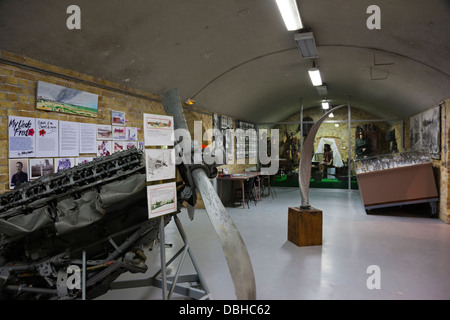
(324, 183)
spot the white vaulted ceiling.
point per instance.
(236, 56)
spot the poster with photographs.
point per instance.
(246, 140)
(41, 167)
(104, 132)
(158, 130)
(223, 139)
(21, 137)
(104, 148)
(131, 133)
(160, 164)
(47, 138)
(162, 199)
(130, 145)
(117, 118)
(82, 160)
(119, 133)
(18, 172)
(425, 132)
(119, 146)
(64, 163)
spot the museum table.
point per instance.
(240, 177)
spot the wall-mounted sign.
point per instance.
(158, 130)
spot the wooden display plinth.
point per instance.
(305, 226)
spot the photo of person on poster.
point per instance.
(18, 169)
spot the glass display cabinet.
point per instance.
(397, 179)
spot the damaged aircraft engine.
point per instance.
(96, 210)
(94, 218)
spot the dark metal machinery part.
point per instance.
(98, 208)
(102, 170)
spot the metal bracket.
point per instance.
(171, 284)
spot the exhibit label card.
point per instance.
(117, 118)
(21, 134)
(119, 146)
(64, 163)
(69, 139)
(88, 135)
(162, 199)
(119, 133)
(160, 164)
(18, 172)
(40, 167)
(104, 148)
(47, 138)
(132, 133)
(158, 130)
(82, 160)
(104, 132)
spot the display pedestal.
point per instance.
(305, 226)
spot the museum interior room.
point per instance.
(225, 150)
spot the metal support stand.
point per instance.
(160, 279)
(432, 201)
(83, 279)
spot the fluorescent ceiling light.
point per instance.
(306, 44)
(290, 14)
(325, 105)
(322, 90)
(314, 74)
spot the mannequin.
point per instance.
(327, 160)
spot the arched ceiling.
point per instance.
(236, 56)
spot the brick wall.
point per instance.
(441, 166)
(340, 133)
(18, 85)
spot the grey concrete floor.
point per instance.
(411, 250)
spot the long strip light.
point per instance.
(314, 74)
(290, 14)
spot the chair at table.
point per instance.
(249, 192)
(267, 184)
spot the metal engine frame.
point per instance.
(49, 226)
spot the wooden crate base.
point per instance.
(305, 226)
